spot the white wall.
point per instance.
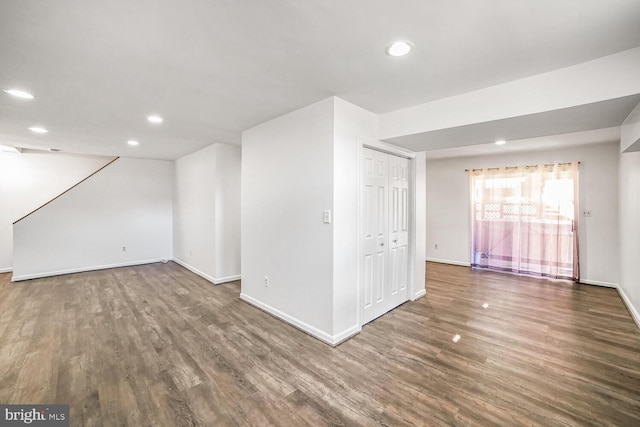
(448, 223)
(352, 126)
(227, 217)
(630, 131)
(420, 225)
(630, 231)
(287, 182)
(126, 204)
(30, 179)
(194, 211)
(293, 168)
(206, 212)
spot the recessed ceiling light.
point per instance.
(399, 48)
(501, 142)
(133, 143)
(154, 119)
(36, 129)
(18, 93)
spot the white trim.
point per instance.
(346, 334)
(215, 281)
(598, 283)
(333, 340)
(227, 279)
(385, 147)
(627, 301)
(84, 269)
(412, 286)
(359, 229)
(6, 270)
(195, 270)
(419, 294)
(447, 261)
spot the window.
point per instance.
(524, 219)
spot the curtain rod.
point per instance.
(516, 167)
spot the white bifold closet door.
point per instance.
(385, 219)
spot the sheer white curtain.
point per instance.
(525, 219)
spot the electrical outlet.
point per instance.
(435, 246)
(266, 281)
(124, 249)
(586, 212)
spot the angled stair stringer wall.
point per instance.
(32, 178)
(120, 216)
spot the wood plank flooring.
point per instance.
(156, 345)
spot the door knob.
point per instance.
(395, 241)
(381, 244)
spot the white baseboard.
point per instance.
(422, 292)
(6, 270)
(195, 270)
(627, 301)
(215, 281)
(598, 283)
(83, 269)
(315, 332)
(227, 279)
(447, 261)
(345, 335)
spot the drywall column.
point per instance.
(206, 212)
(295, 264)
(287, 249)
(194, 212)
(352, 126)
(420, 225)
(227, 213)
(629, 183)
(630, 232)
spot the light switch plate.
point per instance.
(327, 216)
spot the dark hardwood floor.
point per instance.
(156, 345)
